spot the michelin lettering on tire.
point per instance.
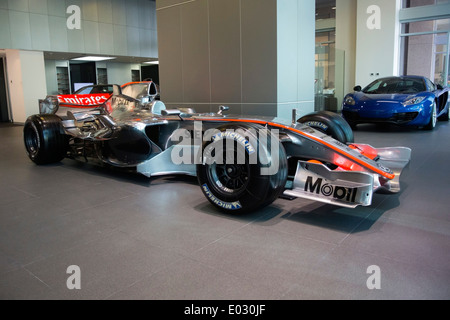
(213, 152)
(317, 124)
(38, 140)
(236, 137)
(245, 140)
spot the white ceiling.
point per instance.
(67, 56)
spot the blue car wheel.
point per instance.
(433, 117)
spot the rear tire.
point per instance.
(44, 139)
(331, 124)
(445, 116)
(241, 186)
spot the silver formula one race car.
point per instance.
(241, 163)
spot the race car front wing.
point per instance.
(317, 182)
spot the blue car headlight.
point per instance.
(413, 101)
(349, 101)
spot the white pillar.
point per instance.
(346, 42)
(377, 39)
(295, 57)
(26, 82)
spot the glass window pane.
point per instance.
(440, 68)
(325, 9)
(426, 26)
(419, 3)
(443, 25)
(448, 76)
(426, 55)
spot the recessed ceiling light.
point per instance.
(93, 58)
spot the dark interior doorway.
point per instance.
(150, 72)
(4, 114)
(82, 73)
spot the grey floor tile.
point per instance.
(263, 256)
(107, 265)
(159, 238)
(19, 284)
(344, 274)
(192, 280)
(410, 244)
(49, 237)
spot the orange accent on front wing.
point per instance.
(365, 149)
(358, 162)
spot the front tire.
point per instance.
(244, 177)
(44, 139)
(433, 118)
(331, 124)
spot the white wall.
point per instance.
(120, 73)
(295, 57)
(15, 86)
(26, 82)
(346, 40)
(377, 51)
(34, 82)
(113, 27)
(50, 77)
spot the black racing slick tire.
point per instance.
(331, 124)
(45, 141)
(243, 168)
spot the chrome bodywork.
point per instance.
(145, 92)
(142, 137)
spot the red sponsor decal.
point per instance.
(83, 99)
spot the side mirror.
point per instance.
(439, 87)
(170, 112)
(222, 109)
(357, 88)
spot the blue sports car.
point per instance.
(406, 100)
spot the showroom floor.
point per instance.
(139, 238)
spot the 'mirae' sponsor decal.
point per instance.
(85, 100)
(328, 190)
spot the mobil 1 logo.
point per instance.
(317, 186)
